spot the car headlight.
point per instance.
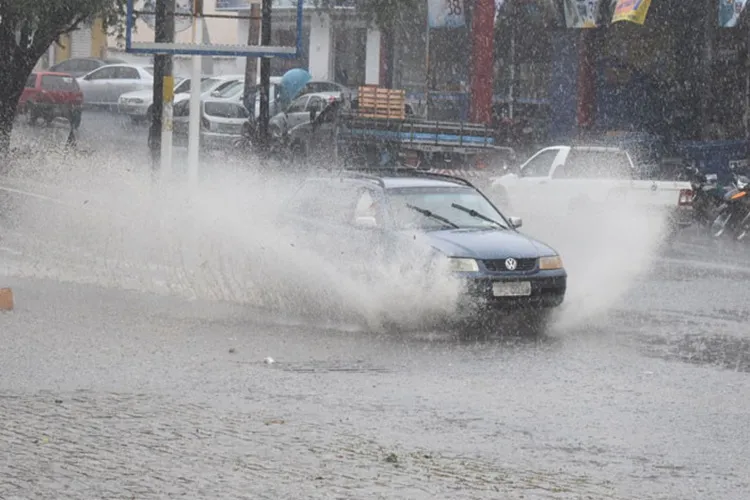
(462, 265)
(550, 262)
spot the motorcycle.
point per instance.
(733, 219)
(707, 196)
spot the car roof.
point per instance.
(53, 73)
(403, 179)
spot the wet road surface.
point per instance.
(114, 394)
(110, 393)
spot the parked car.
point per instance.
(50, 95)
(298, 112)
(318, 86)
(138, 104)
(80, 66)
(221, 121)
(378, 217)
(104, 86)
(223, 115)
(562, 179)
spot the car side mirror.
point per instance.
(515, 222)
(366, 222)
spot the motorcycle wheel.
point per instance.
(721, 224)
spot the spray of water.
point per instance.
(104, 221)
(100, 219)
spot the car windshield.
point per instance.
(208, 83)
(231, 90)
(423, 208)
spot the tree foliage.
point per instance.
(27, 29)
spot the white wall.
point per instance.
(321, 57)
(372, 59)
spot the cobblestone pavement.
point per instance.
(110, 394)
(116, 392)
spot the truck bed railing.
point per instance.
(416, 132)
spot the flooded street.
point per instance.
(114, 394)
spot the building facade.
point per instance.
(89, 40)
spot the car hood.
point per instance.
(486, 244)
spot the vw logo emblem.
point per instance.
(510, 264)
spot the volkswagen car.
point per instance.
(499, 268)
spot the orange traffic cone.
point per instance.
(6, 299)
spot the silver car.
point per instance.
(220, 124)
(138, 104)
(104, 86)
(298, 112)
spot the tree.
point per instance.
(27, 29)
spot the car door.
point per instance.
(126, 79)
(297, 112)
(531, 187)
(94, 85)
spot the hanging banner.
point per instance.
(446, 13)
(581, 13)
(729, 12)
(633, 11)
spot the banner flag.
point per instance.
(633, 11)
(729, 12)
(581, 13)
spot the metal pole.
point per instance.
(194, 124)
(154, 133)
(511, 84)
(251, 63)
(167, 95)
(265, 77)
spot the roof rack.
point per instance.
(376, 174)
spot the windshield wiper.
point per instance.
(431, 215)
(476, 214)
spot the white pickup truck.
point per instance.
(561, 179)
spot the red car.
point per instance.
(50, 95)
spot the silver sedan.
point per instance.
(104, 86)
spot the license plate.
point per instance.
(513, 289)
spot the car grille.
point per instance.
(498, 265)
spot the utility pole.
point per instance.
(265, 77)
(251, 64)
(163, 80)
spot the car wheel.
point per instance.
(75, 119)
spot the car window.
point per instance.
(149, 70)
(208, 83)
(540, 165)
(315, 87)
(315, 103)
(587, 164)
(439, 201)
(230, 90)
(64, 66)
(105, 73)
(31, 81)
(127, 73)
(298, 105)
(225, 110)
(182, 85)
(368, 206)
(57, 82)
(326, 200)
